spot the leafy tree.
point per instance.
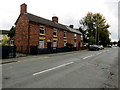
(5, 40)
(94, 25)
(84, 35)
(11, 32)
(91, 40)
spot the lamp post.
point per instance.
(96, 34)
(95, 24)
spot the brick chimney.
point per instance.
(55, 19)
(71, 26)
(23, 8)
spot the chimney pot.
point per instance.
(55, 19)
(71, 26)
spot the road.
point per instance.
(80, 69)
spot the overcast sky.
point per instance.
(68, 11)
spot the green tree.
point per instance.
(84, 35)
(91, 40)
(5, 40)
(11, 32)
(94, 25)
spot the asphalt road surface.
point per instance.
(80, 69)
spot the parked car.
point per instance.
(93, 47)
(100, 47)
(109, 46)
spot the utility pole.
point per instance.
(97, 35)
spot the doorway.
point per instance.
(48, 44)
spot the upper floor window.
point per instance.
(55, 32)
(81, 37)
(65, 34)
(75, 35)
(42, 30)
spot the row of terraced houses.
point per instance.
(32, 30)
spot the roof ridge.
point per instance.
(38, 16)
(45, 18)
(44, 21)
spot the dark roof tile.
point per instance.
(43, 21)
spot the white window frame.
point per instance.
(81, 37)
(65, 34)
(55, 31)
(12, 42)
(54, 43)
(41, 43)
(75, 35)
(42, 28)
(75, 44)
(65, 43)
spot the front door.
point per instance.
(48, 44)
(49, 47)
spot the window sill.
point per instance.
(55, 36)
(42, 34)
(64, 37)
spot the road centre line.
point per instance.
(53, 68)
(96, 54)
(92, 55)
(88, 56)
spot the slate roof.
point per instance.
(47, 22)
(73, 30)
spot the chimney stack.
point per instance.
(23, 9)
(55, 19)
(71, 26)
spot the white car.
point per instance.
(100, 47)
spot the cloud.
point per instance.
(68, 11)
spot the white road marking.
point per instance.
(94, 54)
(88, 56)
(53, 68)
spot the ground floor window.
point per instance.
(65, 43)
(41, 43)
(11, 42)
(79, 44)
(75, 44)
(54, 43)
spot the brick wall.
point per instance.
(60, 38)
(27, 34)
(48, 35)
(21, 34)
(34, 34)
(70, 37)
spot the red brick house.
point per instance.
(32, 30)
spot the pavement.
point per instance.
(20, 56)
(79, 69)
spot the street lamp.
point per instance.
(96, 33)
